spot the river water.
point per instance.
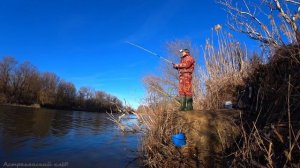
(56, 138)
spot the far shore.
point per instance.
(36, 106)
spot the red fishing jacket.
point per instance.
(186, 64)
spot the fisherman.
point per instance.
(185, 69)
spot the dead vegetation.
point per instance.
(265, 132)
(272, 129)
(209, 132)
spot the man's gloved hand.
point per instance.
(175, 66)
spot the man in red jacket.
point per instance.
(185, 69)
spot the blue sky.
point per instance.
(82, 41)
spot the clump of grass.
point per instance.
(271, 133)
(227, 64)
(268, 124)
(209, 133)
(157, 147)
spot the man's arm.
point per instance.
(185, 64)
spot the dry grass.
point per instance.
(264, 134)
(270, 113)
(272, 129)
(208, 134)
(226, 67)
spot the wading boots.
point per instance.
(182, 100)
(189, 103)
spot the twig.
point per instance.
(294, 2)
(289, 117)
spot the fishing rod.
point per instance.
(151, 52)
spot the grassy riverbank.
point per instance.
(263, 132)
(208, 134)
(36, 106)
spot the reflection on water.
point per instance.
(82, 139)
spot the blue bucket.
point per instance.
(179, 140)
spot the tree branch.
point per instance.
(289, 20)
(249, 19)
(294, 2)
(249, 28)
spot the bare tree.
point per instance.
(272, 22)
(66, 94)
(86, 93)
(100, 98)
(7, 66)
(86, 97)
(49, 84)
(25, 84)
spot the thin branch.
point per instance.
(294, 2)
(285, 16)
(248, 19)
(240, 18)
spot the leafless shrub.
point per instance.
(227, 64)
(271, 127)
(272, 22)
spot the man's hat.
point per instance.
(184, 50)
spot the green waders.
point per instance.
(182, 103)
(189, 103)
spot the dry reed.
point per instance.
(268, 126)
